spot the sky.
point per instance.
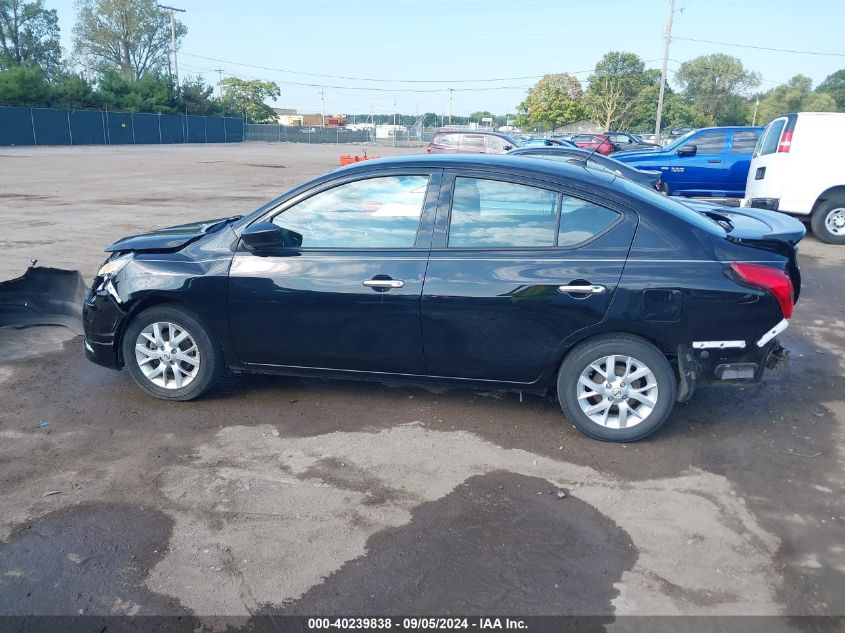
(392, 55)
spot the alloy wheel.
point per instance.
(617, 392)
(167, 355)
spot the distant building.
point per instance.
(289, 116)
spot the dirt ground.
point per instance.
(282, 495)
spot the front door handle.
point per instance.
(586, 289)
(383, 284)
(714, 160)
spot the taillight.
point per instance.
(774, 280)
(785, 142)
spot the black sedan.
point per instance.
(589, 158)
(498, 272)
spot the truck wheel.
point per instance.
(616, 388)
(828, 221)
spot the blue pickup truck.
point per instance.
(710, 162)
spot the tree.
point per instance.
(29, 34)
(247, 97)
(132, 36)
(614, 89)
(555, 100)
(676, 111)
(24, 86)
(196, 97)
(795, 95)
(72, 91)
(834, 85)
(717, 84)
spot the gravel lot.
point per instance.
(283, 495)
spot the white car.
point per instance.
(797, 169)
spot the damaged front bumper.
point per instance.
(43, 296)
(102, 318)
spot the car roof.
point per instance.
(505, 162)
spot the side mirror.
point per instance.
(508, 148)
(687, 150)
(262, 235)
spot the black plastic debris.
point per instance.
(43, 296)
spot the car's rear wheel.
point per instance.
(828, 221)
(170, 354)
(616, 388)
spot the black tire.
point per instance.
(208, 352)
(824, 212)
(661, 382)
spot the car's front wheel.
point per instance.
(828, 221)
(616, 388)
(170, 354)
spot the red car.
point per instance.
(593, 141)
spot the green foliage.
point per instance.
(247, 97)
(71, 91)
(130, 36)
(716, 85)
(24, 86)
(796, 95)
(615, 87)
(196, 97)
(29, 34)
(834, 85)
(555, 100)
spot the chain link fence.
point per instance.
(273, 133)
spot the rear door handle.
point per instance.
(587, 289)
(383, 284)
(714, 160)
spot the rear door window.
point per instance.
(473, 140)
(497, 214)
(744, 141)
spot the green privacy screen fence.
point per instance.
(45, 126)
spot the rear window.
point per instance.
(771, 137)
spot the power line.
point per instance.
(761, 48)
(373, 79)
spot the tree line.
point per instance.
(120, 60)
(715, 89)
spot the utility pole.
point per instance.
(173, 38)
(756, 105)
(663, 73)
(451, 90)
(322, 107)
(219, 81)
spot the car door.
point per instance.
(701, 173)
(495, 302)
(344, 292)
(737, 161)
